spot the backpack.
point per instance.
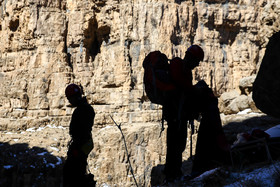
(156, 77)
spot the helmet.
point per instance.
(196, 51)
(72, 89)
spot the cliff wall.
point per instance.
(101, 45)
(47, 44)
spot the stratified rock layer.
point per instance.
(47, 44)
(101, 45)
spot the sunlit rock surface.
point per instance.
(48, 44)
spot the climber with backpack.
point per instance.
(170, 85)
(81, 144)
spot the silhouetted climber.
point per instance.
(212, 148)
(179, 108)
(74, 171)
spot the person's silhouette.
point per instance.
(74, 171)
(179, 108)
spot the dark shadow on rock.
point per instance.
(263, 122)
(231, 130)
(179, 1)
(157, 175)
(94, 37)
(266, 89)
(21, 165)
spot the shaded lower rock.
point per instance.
(266, 89)
(24, 166)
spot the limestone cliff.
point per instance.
(100, 44)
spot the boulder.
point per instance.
(266, 88)
(232, 102)
(246, 84)
(225, 101)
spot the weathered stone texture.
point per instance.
(101, 44)
(146, 150)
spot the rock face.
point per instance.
(266, 88)
(234, 102)
(47, 44)
(146, 149)
(101, 45)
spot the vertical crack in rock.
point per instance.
(176, 37)
(94, 37)
(90, 40)
(133, 79)
(1, 13)
(66, 49)
(37, 18)
(194, 26)
(212, 80)
(224, 53)
(211, 22)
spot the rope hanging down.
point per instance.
(131, 170)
